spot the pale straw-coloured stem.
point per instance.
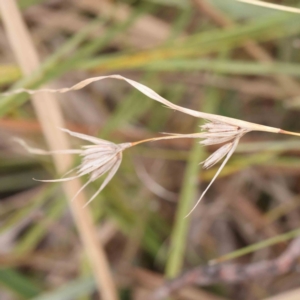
(169, 137)
(271, 5)
(153, 95)
(50, 116)
(289, 132)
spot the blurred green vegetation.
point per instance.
(192, 62)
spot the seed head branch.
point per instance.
(105, 157)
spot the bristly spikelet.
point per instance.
(216, 133)
(97, 160)
(219, 132)
(216, 156)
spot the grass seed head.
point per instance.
(106, 157)
(97, 160)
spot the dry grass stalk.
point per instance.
(50, 116)
(153, 95)
(271, 5)
(218, 129)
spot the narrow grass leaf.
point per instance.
(18, 283)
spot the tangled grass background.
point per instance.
(218, 57)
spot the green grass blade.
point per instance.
(200, 44)
(232, 67)
(254, 247)
(18, 283)
(70, 291)
(188, 194)
(37, 232)
(186, 200)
